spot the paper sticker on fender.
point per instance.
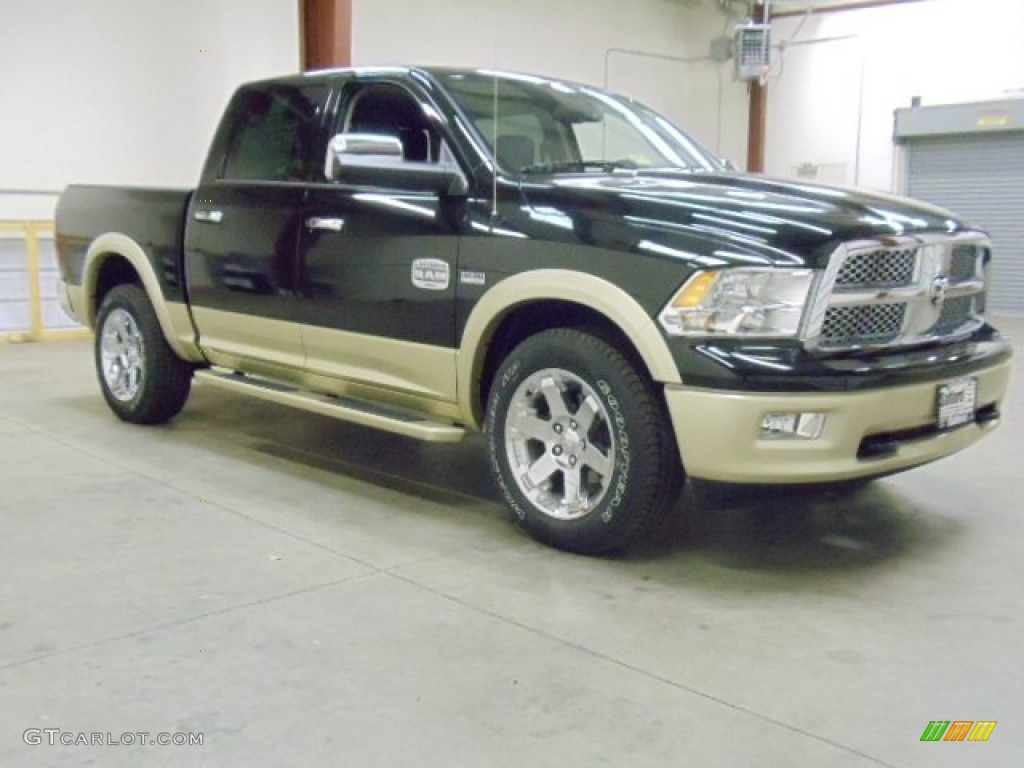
(431, 274)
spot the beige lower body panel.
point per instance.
(414, 376)
(183, 340)
(232, 336)
(418, 369)
(719, 431)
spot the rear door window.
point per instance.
(274, 133)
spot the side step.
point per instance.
(396, 420)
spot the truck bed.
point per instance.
(153, 218)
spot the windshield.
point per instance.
(536, 126)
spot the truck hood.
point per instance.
(749, 217)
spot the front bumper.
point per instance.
(718, 431)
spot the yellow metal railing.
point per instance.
(32, 232)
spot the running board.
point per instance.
(398, 420)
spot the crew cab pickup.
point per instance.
(440, 251)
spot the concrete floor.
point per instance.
(307, 593)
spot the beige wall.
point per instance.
(570, 39)
(944, 51)
(125, 91)
(128, 91)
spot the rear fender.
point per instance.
(174, 318)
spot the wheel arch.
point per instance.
(114, 259)
(524, 304)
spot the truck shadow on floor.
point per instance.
(758, 528)
(793, 529)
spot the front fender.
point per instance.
(558, 285)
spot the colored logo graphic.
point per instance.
(958, 730)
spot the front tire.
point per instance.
(579, 443)
(141, 378)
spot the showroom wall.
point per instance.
(125, 91)
(944, 51)
(128, 91)
(574, 40)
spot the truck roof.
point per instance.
(430, 71)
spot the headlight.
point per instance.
(739, 302)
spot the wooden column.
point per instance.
(326, 34)
(757, 115)
(756, 127)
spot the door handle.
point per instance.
(214, 217)
(330, 225)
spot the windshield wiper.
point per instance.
(578, 165)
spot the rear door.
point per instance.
(377, 263)
(244, 226)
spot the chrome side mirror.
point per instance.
(357, 148)
(376, 160)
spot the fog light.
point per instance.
(799, 426)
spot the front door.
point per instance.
(378, 266)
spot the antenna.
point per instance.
(494, 157)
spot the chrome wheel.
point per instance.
(559, 443)
(122, 355)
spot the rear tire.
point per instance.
(579, 443)
(141, 378)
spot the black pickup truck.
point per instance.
(438, 251)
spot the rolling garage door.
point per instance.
(981, 177)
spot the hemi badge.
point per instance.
(472, 278)
(431, 274)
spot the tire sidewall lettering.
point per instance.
(635, 493)
(622, 452)
(496, 438)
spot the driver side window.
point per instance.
(389, 110)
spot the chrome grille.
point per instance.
(878, 324)
(964, 262)
(907, 291)
(955, 312)
(886, 267)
